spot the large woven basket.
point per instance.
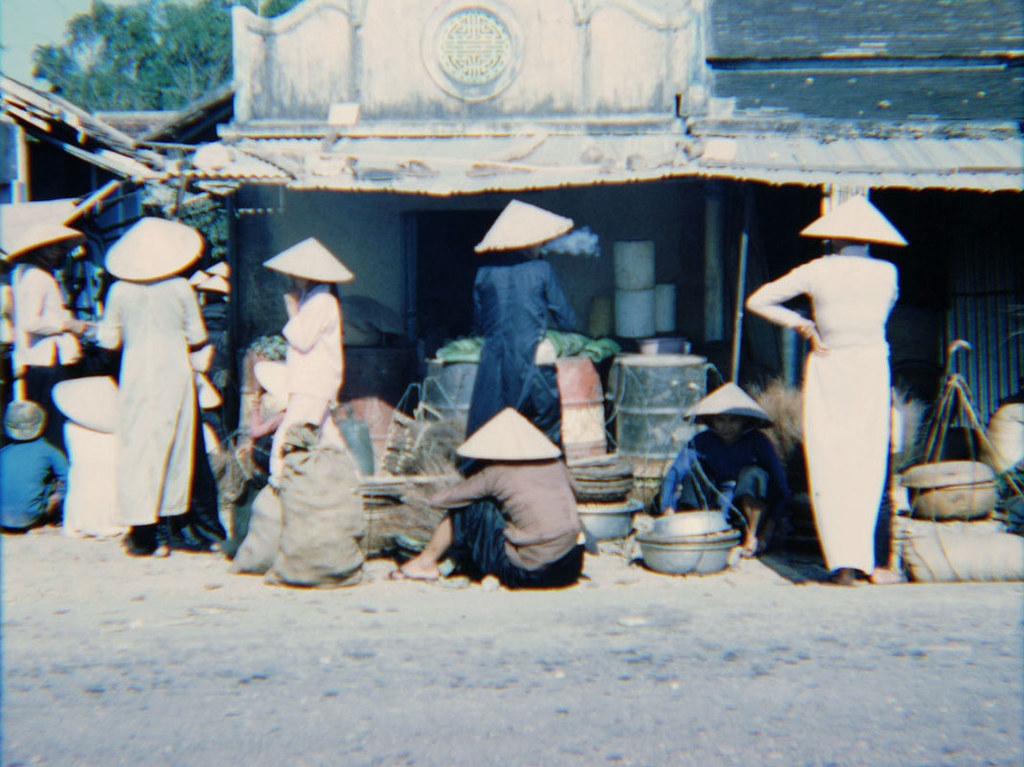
(970, 501)
(949, 490)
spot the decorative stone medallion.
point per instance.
(472, 51)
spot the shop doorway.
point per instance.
(445, 269)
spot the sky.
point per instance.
(24, 24)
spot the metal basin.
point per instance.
(683, 555)
(608, 521)
(687, 523)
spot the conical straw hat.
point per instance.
(24, 238)
(90, 402)
(509, 437)
(24, 213)
(209, 397)
(25, 226)
(198, 278)
(521, 225)
(210, 439)
(310, 260)
(857, 220)
(273, 377)
(730, 399)
(202, 358)
(220, 268)
(214, 284)
(152, 249)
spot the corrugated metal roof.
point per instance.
(450, 165)
(979, 164)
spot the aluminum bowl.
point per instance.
(608, 521)
(689, 523)
(683, 555)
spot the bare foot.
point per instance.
(749, 548)
(884, 576)
(416, 571)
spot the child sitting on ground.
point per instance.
(731, 461)
(33, 473)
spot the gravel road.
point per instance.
(110, 660)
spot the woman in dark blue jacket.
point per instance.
(516, 298)
(730, 464)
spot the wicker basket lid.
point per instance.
(947, 473)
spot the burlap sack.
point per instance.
(945, 552)
(257, 552)
(323, 518)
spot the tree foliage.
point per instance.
(157, 55)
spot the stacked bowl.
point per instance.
(689, 542)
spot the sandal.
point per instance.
(398, 574)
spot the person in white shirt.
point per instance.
(315, 362)
(45, 334)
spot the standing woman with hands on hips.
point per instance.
(846, 390)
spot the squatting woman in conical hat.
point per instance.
(314, 361)
(152, 315)
(846, 386)
(731, 451)
(515, 518)
(516, 298)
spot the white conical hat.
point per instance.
(209, 397)
(221, 269)
(198, 278)
(20, 239)
(312, 261)
(25, 226)
(730, 398)
(210, 439)
(857, 220)
(508, 437)
(272, 376)
(90, 402)
(152, 249)
(24, 213)
(202, 358)
(214, 284)
(521, 225)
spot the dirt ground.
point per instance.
(112, 660)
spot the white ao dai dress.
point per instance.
(846, 394)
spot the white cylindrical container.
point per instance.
(634, 313)
(665, 308)
(634, 264)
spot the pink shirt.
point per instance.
(39, 317)
(314, 360)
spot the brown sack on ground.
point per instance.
(322, 514)
(256, 554)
